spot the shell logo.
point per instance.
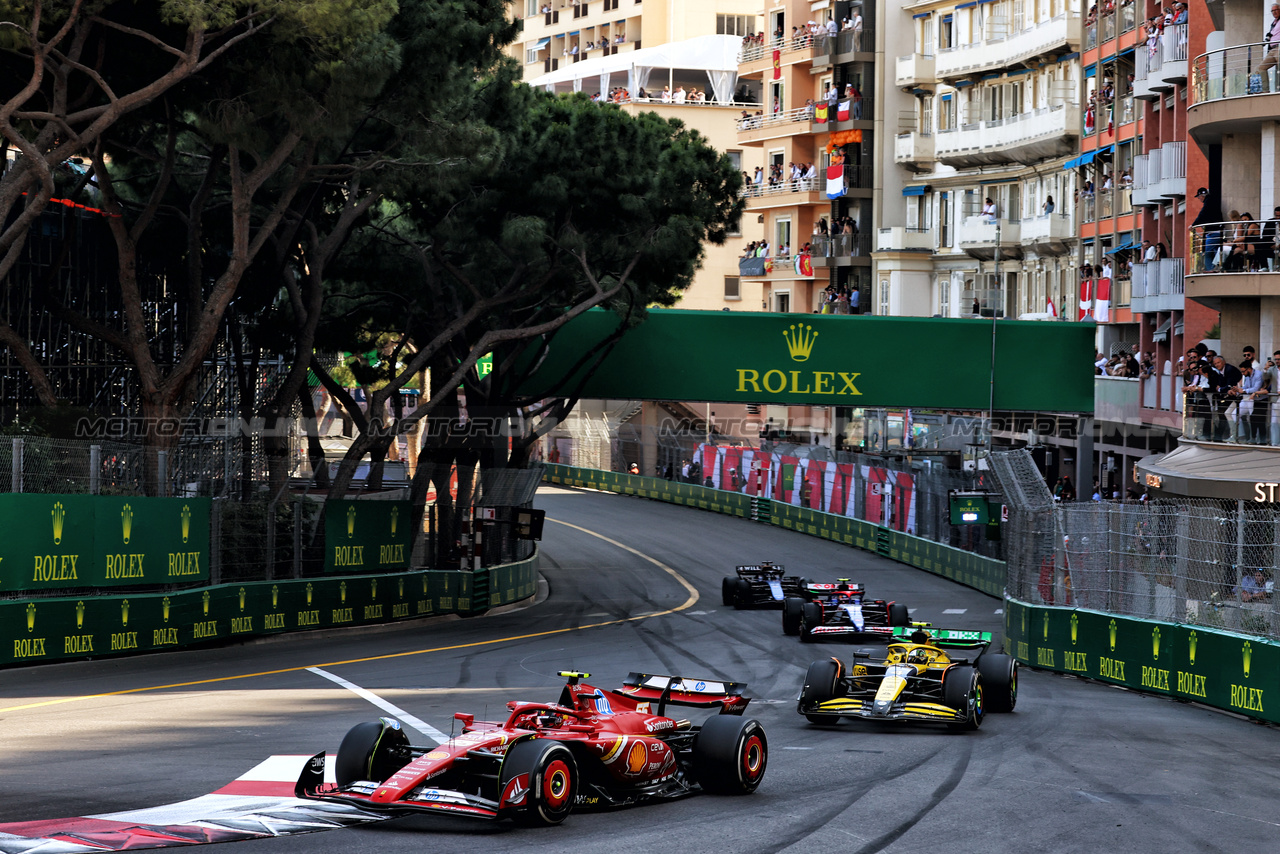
(637, 757)
(438, 754)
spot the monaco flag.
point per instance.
(1102, 301)
(835, 180)
(1053, 311)
(1086, 299)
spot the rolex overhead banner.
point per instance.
(840, 360)
(60, 541)
(364, 536)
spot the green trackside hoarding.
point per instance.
(1240, 673)
(756, 357)
(367, 536)
(54, 542)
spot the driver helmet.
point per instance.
(918, 655)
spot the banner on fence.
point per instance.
(55, 542)
(367, 536)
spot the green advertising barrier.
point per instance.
(53, 542)
(1235, 672)
(367, 536)
(754, 357)
(53, 629)
(972, 570)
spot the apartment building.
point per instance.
(979, 217)
(602, 46)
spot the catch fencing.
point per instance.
(1195, 561)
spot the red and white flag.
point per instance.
(777, 65)
(1053, 311)
(1102, 301)
(1086, 299)
(842, 111)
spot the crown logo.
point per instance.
(401, 588)
(275, 596)
(308, 592)
(342, 592)
(1075, 626)
(373, 588)
(1046, 625)
(1155, 643)
(1111, 630)
(395, 517)
(1024, 621)
(424, 585)
(126, 521)
(241, 598)
(59, 517)
(205, 600)
(31, 616)
(351, 521)
(80, 615)
(165, 608)
(124, 612)
(186, 522)
(800, 338)
(1247, 650)
(1193, 640)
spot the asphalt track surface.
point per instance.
(1079, 767)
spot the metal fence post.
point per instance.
(95, 469)
(162, 473)
(297, 539)
(17, 465)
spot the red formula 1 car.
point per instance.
(840, 610)
(592, 748)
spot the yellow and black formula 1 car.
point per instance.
(918, 678)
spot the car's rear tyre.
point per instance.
(726, 591)
(730, 755)
(899, 615)
(741, 593)
(810, 618)
(819, 686)
(792, 613)
(962, 691)
(999, 681)
(553, 781)
(369, 752)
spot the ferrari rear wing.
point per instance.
(679, 691)
(946, 638)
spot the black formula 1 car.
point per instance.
(592, 748)
(916, 679)
(840, 610)
(765, 584)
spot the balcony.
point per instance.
(914, 151)
(1173, 170)
(777, 125)
(806, 191)
(999, 50)
(1117, 399)
(1156, 70)
(779, 267)
(899, 239)
(1224, 263)
(805, 47)
(1035, 135)
(1229, 95)
(838, 249)
(1146, 178)
(981, 238)
(914, 70)
(1157, 286)
(1048, 234)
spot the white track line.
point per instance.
(390, 708)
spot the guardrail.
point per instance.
(38, 631)
(1228, 247)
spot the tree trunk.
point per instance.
(315, 450)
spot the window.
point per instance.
(944, 295)
(531, 54)
(610, 5)
(926, 115)
(947, 32)
(926, 36)
(532, 7)
(782, 234)
(944, 219)
(732, 288)
(782, 302)
(727, 25)
(883, 308)
(947, 113)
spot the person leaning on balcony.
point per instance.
(1047, 207)
(1179, 13)
(1272, 39)
(989, 210)
(1271, 238)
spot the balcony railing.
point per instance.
(913, 148)
(1173, 170)
(1012, 48)
(1157, 286)
(914, 68)
(840, 245)
(1088, 207)
(819, 43)
(802, 185)
(1231, 73)
(786, 117)
(1048, 233)
(1231, 247)
(898, 238)
(849, 41)
(1004, 140)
